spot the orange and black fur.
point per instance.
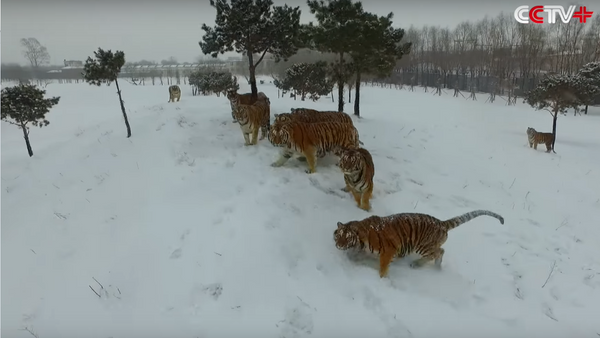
(534, 138)
(313, 116)
(310, 138)
(399, 235)
(359, 170)
(174, 93)
(236, 99)
(252, 118)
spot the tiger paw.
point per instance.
(276, 165)
(345, 189)
(308, 171)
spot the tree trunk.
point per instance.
(357, 95)
(586, 108)
(26, 137)
(123, 109)
(252, 81)
(349, 94)
(554, 118)
(340, 85)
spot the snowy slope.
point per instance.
(191, 234)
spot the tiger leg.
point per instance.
(535, 145)
(385, 258)
(178, 97)
(284, 156)
(530, 145)
(356, 196)
(255, 136)
(263, 132)
(548, 147)
(435, 255)
(246, 139)
(311, 160)
(365, 199)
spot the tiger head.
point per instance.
(238, 112)
(530, 131)
(278, 134)
(346, 236)
(232, 95)
(350, 160)
(283, 118)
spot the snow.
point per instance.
(193, 234)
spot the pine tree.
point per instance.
(590, 72)
(253, 27)
(24, 104)
(376, 49)
(105, 68)
(556, 94)
(339, 23)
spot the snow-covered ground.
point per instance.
(192, 234)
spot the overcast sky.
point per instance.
(156, 30)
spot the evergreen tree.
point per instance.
(105, 68)
(253, 27)
(590, 72)
(24, 104)
(556, 94)
(310, 79)
(339, 23)
(376, 50)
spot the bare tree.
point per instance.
(35, 52)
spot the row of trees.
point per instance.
(209, 82)
(361, 42)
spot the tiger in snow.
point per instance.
(310, 138)
(235, 99)
(359, 170)
(400, 235)
(534, 138)
(253, 117)
(313, 116)
(174, 93)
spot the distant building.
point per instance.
(73, 63)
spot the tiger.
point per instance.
(235, 99)
(252, 118)
(309, 138)
(174, 93)
(314, 116)
(399, 235)
(534, 138)
(359, 170)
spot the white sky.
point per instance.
(156, 30)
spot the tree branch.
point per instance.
(261, 57)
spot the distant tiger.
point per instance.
(400, 235)
(534, 138)
(252, 118)
(235, 99)
(174, 93)
(359, 170)
(310, 138)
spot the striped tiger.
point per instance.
(534, 138)
(174, 93)
(252, 118)
(400, 235)
(314, 116)
(235, 99)
(359, 170)
(309, 138)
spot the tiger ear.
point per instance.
(340, 225)
(276, 115)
